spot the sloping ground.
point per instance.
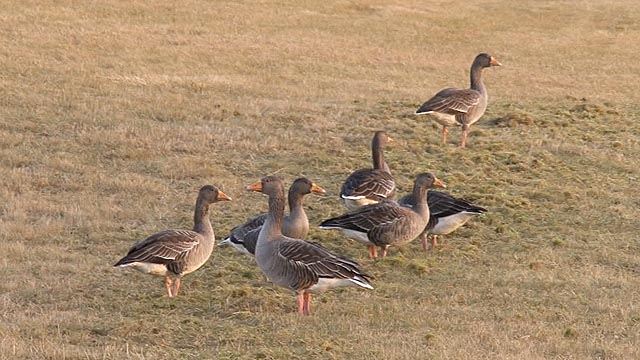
(550, 270)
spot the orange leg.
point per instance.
(445, 131)
(465, 128)
(167, 282)
(384, 250)
(176, 287)
(373, 252)
(434, 241)
(307, 303)
(425, 243)
(301, 303)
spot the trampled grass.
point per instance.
(114, 114)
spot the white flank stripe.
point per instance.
(360, 283)
(350, 197)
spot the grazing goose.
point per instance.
(368, 186)
(298, 265)
(461, 107)
(176, 253)
(387, 223)
(447, 213)
(296, 224)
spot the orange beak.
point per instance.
(437, 182)
(317, 189)
(255, 187)
(222, 196)
(494, 62)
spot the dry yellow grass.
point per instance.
(114, 114)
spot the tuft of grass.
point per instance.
(514, 119)
(570, 333)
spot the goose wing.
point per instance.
(169, 247)
(246, 234)
(374, 219)
(370, 183)
(407, 201)
(306, 262)
(442, 204)
(451, 101)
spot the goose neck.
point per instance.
(476, 78)
(420, 198)
(295, 200)
(378, 157)
(201, 222)
(273, 224)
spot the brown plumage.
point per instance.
(461, 107)
(446, 214)
(296, 225)
(368, 186)
(298, 265)
(176, 253)
(387, 223)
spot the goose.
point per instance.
(176, 253)
(387, 223)
(461, 107)
(368, 186)
(296, 224)
(447, 213)
(301, 266)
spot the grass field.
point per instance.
(113, 114)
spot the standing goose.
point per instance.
(176, 253)
(298, 265)
(296, 224)
(387, 223)
(461, 107)
(368, 186)
(447, 213)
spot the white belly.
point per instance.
(327, 283)
(448, 224)
(358, 236)
(149, 268)
(443, 119)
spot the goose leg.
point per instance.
(434, 241)
(425, 243)
(301, 303)
(384, 250)
(307, 303)
(167, 282)
(176, 286)
(465, 129)
(373, 252)
(445, 131)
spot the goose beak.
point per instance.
(255, 187)
(437, 182)
(317, 189)
(223, 197)
(494, 62)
